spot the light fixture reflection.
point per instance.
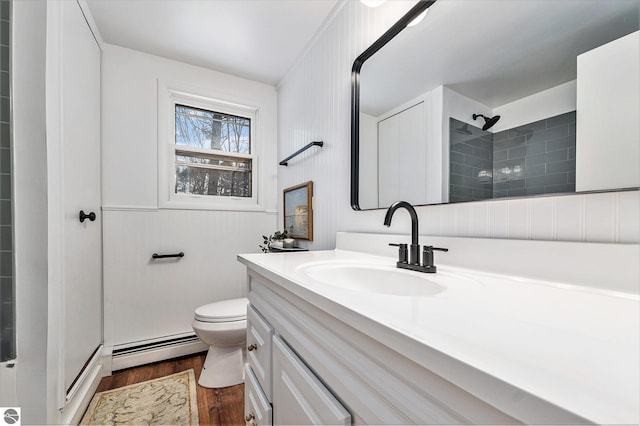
(372, 3)
(418, 18)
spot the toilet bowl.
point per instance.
(222, 326)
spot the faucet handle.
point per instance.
(427, 255)
(402, 252)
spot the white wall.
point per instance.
(548, 103)
(368, 161)
(314, 101)
(35, 385)
(608, 123)
(147, 299)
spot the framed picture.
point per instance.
(298, 211)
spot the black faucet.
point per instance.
(414, 251)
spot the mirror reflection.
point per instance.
(492, 99)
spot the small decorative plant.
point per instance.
(276, 236)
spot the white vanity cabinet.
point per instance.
(279, 388)
(327, 372)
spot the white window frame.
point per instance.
(168, 98)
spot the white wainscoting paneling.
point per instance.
(145, 298)
(314, 103)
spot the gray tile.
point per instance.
(571, 178)
(500, 194)
(460, 169)
(560, 143)
(6, 264)
(474, 161)
(554, 156)
(6, 239)
(569, 117)
(4, 58)
(553, 133)
(537, 170)
(456, 157)
(5, 141)
(4, 83)
(528, 128)
(482, 194)
(5, 212)
(535, 190)
(5, 32)
(571, 154)
(464, 148)
(456, 179)
(6, 290)
(4, 110)
(565, 187)
(5, 187)
(561, 166)
(462, 191)
(6, 314)
(518, 192)
(500, 136)
(5, 160)
(509, 143)
(546, 180)
(519, 152)
(5, 10)
(500, 155)
(456, 199)
(536, 148)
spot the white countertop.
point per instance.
(575, 347)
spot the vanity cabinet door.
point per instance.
(299, 398)
(259, 334)
(257, 409)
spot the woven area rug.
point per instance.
(169, 400)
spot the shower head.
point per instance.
(488, 121)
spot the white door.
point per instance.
(80, 114)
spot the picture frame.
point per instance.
(298, 211)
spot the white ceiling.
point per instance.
(492, 51)
(255, 39)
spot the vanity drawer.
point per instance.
(259, 334)
(299, 397)
(257, 409)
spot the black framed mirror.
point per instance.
(479, 101)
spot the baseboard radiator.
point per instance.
(140, 353)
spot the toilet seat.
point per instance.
(224, 311)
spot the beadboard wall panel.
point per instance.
(145, 298)
(314, 104)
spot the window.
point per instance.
(206, 152)
(212, 153)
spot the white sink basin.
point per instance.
(377, 278)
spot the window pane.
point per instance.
(206, 181)
(212, 130)
(213, 161)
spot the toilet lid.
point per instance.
(224, 311)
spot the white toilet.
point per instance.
(223, 326)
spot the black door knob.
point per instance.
(91, 216)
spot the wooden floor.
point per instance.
(223, 406)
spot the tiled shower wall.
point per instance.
(536, 158)
(470, 162)
(314, 102)
(532, 159)
(7, 318)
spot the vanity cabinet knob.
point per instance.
(250, 348)
(250, 417)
